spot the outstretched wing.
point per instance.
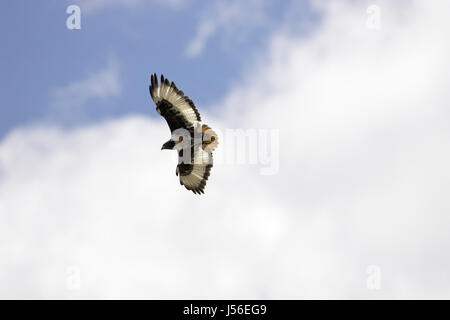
(194, 175)
(178, 110)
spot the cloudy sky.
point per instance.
(340, 189)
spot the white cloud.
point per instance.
(71, 99)
(364, 180)
(234, 19)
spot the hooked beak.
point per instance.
(168, 145)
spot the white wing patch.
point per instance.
(196, 180)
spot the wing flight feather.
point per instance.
(178, 110)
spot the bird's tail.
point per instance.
(210, 138)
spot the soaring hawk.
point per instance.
(193, 141)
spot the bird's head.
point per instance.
(177, 142)
(168, 145)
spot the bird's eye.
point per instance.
(180, 139)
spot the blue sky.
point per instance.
(40, 55)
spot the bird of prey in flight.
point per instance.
(193, 141)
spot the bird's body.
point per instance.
(193, 141)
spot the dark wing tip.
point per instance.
(198, 191)
(150, 88)
(153, 84)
